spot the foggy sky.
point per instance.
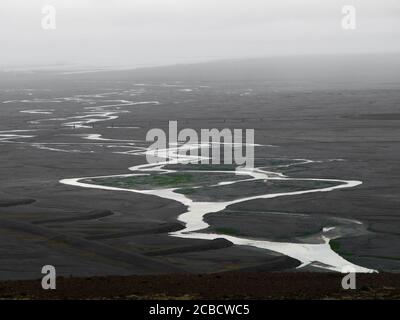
(131, 33)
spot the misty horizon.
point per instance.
(132, 34)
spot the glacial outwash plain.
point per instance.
(77, 193)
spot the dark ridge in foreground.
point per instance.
(90, 216)
(15, 202)
(166, 227)
(232, 285)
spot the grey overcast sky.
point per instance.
(130, 33)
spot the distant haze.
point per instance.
(132, 33)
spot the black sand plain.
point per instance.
(329, 112)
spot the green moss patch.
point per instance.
(227, 231)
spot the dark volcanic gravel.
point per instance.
(230, 285)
